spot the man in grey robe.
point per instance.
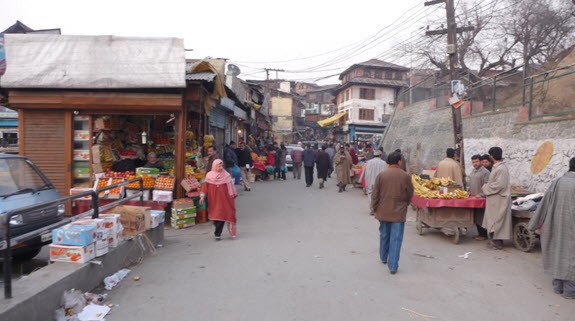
(556, 213)
(478, 177)
(497, 219)
(373, 167)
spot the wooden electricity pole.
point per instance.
(452, 31)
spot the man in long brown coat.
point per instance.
(390, 198)
(497, 220)
(342, 161)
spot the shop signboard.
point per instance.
(2, 56)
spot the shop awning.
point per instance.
(332, 119)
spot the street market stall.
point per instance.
(449, 215)
(442, 205)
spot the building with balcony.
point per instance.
(368, 94)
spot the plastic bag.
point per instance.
(113, 280)
(236, 172)
(73, 302)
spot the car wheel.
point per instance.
(26, 255)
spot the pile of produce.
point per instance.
(165, 183)
(112, 174)
(431, 188)
(147, 181)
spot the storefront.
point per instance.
(78, 135)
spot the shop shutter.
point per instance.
(218, 118)
(44, 143)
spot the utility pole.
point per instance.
(452, 31)
(271, 69)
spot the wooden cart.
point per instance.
(451, 216)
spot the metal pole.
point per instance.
(7, 260)
(493, 93)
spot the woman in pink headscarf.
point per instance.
(219, 190)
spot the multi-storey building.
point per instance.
(368, 93)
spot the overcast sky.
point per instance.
(309, 39)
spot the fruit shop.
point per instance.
(97, 125)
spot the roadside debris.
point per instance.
(419, 314)
(113, 280)
(78, 306)
(424, 255)
(465, 256)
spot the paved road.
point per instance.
(309, 254)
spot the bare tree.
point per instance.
(507, 33)
(542, 28)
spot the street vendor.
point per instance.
(478, 177)
(153, 161)
(450, 168)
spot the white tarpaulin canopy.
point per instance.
(99, 62)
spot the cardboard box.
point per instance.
(182, 216)
(115, 237)
(141, 171)
(81, 154)
(98, 223)
(102, 247)
(162, 196)
(74, 234)
(134, 219)
(160, 214)
(185, 223)
(81, 135)
(111, 221)
(155, 220)
(183, 211)
(72, 254)
(182, 203)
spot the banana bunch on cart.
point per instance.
(431, 188)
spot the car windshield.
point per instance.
(19, 176)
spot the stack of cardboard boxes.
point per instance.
(183, 213)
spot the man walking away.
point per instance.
(278, 165)
(497, 219)
(245, 162)
(282, 158)
(556, 213)
(296, 157)
(308, 163)
(230, 157)
(392, 192)
(342, 161)
(322, 163)
(330, 150)
(450, 168)
(478, 177)
(373, 167)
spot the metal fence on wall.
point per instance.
(545, 93)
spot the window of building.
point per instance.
(378, 74)
(388, 75)
(367, 93)
(398, 76)
(367, 73)
(366, 114)
(347, 95)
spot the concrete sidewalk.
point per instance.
(310, 254)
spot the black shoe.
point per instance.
(248, 189)
(340, 190)
(218, 238)
(392, 272)
(384, 262)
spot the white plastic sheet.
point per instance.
(93, 62)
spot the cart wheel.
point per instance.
(456, 235)
(418, 223)
(523, 238)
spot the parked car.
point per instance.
(22, 184)
(289, 161)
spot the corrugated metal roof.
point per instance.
(379, 82)
(205, 76)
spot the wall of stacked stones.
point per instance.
(432, 128)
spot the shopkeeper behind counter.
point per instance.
(153, 162)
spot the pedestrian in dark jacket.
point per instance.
(322, 162)
(278, 162)
(308, 163)
(245, 162)
(230, 157)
